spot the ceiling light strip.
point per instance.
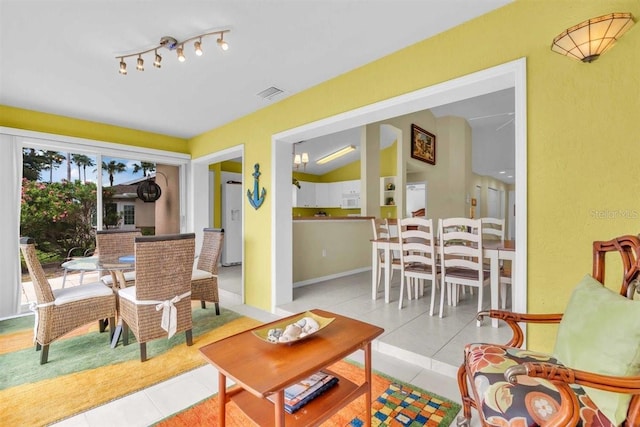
(341, 152)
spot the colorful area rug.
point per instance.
(84, 372)
(395, 404)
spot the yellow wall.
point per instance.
(582, 133)
(59, 125)
(582, 136)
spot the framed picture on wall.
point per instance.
(423, 145)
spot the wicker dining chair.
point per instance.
(204, 278)
(159, 304)
(117, 243)
(60, 311)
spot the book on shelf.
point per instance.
(299, 394)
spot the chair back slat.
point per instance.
(116, 242)
(163, 265)
(380, 228)
(461, 244)
(492, 228)
(417, 243)
(41, 284)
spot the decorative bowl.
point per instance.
(263, 333)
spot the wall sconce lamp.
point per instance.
(341, 152)
(171, 43)
(300, 159)
(590, 39)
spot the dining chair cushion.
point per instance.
(531, 402)
(129, 276)
(600, 332)
(128, 293)
(200, 274)
(80, 292)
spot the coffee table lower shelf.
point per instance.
(262, 411)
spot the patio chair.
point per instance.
(60, 311)
(117, 243)
(159, 304)
(593, 376)
(204, 277)
(75, 253)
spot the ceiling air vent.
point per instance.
(270, 93)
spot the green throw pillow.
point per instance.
(600, 332)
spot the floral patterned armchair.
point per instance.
(511, 386)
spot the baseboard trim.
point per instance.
(329, 277)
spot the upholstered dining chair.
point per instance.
(461, 258)
(204, 277)
(159, 304)
(592, 378)
(417, 257)
(381, 230)
(117, 243)
(494, 229)
(60, 311)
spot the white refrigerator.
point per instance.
(232, 221)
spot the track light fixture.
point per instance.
(171, 43)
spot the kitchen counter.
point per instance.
(328, 247)
(332, 218)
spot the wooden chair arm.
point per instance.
(565, 375)
(513, 320)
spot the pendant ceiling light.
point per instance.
(590, 39)
(172, 43)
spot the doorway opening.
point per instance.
(509, 75)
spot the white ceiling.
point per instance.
(492, 129)
(58, 56)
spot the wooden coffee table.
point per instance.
(262, 369)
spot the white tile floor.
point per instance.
(415, 348)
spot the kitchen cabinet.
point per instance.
(344, 194)
(351, 187)
(335, 194)
(322, 195)
(305, 196)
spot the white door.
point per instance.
(232, 220)
(493, 203)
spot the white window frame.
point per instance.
(10, 293)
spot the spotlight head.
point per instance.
(181, 57)
(223, 44)
(198, 47)
(140, 65)
(123, 67)
(158, 60)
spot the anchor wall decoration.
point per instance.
(255, 199)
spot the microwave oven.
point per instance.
(350, 201)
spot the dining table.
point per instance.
(493, 250)
(114, 264)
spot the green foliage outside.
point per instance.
(59, 215)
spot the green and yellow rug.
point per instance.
(395, 404)
(84, 372)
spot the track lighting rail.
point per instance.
(172, 43)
